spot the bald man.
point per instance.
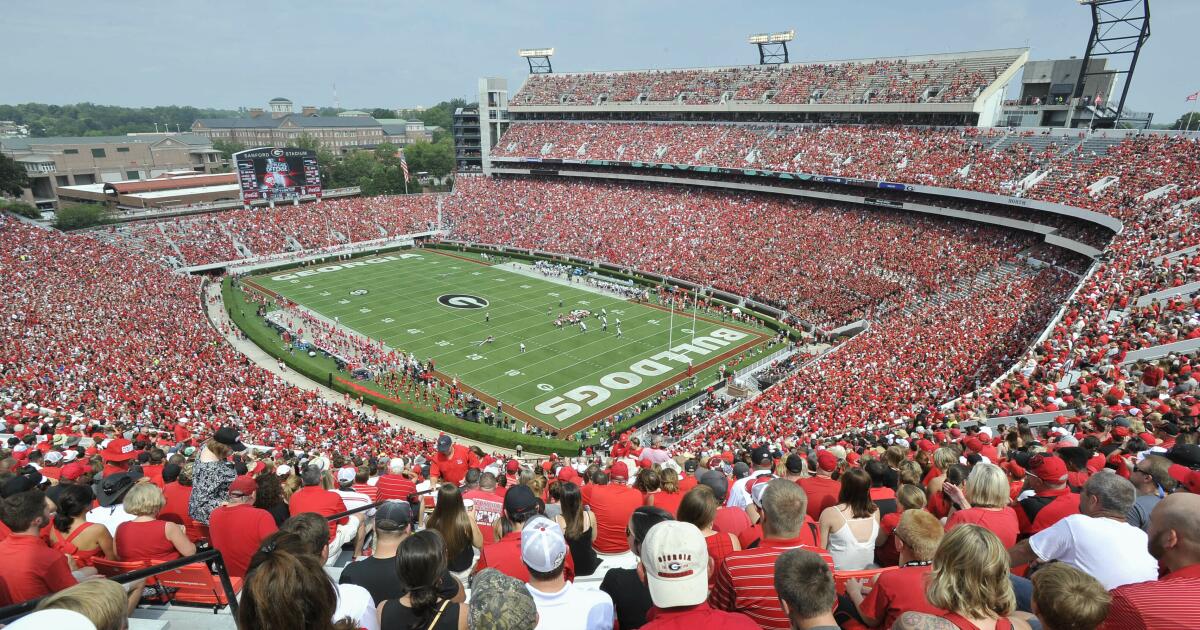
(1170, 602)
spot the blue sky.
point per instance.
(222, 53)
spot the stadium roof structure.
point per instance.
(290, 120)
(945, 82)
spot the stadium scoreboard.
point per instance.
(272, 173)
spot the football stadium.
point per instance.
(903, 341)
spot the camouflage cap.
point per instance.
(500, 602)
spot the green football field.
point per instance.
(443, 306)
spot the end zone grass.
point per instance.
(444, 306)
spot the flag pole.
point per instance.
(671, 328)
(695, 305)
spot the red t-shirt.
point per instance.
(668, 501)
(452, 468)
(1063, 504)
(692, 617)
(153, 472)
(237, 531)
(504, 555)
(886, 554)
(731, 521)
(488, 506)
(31, 569)
(319, 500)
(687, 483)
(394, 487)
(612, 504)
(1002, 523)
(145, 540)
(896, 592)
(822, 493)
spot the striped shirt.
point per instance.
(745, 582)
(1168, 604)
(394, 487)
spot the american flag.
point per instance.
(1193, 96)
(404, 165)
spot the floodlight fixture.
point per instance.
(535, 52)
(772, 47)
(538, 59)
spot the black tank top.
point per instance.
(397, 616)
(582, 553)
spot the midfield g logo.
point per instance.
(459, 300)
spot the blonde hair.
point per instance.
(103, 602)
(920, 531)
(987, 486)
(970, 575)
(221, 451)
(144, 499)
(944, 458)
(1066, 598)
(911, 497)
(910, 472)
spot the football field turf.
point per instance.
(444, 305)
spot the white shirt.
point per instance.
(739, 495)
(110, 517)
(572, 608)
(354, 500)
(356, 603)
(1113, 552)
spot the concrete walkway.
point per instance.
(215, 307)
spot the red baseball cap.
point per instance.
(119, 450)
(243, 485)
(512, 466)
(619, 471)
(74, 471)
(1049, 469)
(827, 461)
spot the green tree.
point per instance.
(380, 112)
(228, 147)
(437, 159)
(386, 153)
(305, 141)
(89, 119)
(12, 176)
(1190, 120)
(20, 208)
(81, 215)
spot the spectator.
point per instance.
(579, 528)
(269, 496)
(310, 535)
(148, 537)
(1052, 499)
(669, 494)
(1098, 540)
(612, 503)
(314, 498)
(421, 565)
(456, 524)
(31, 568)
(984, 502)
(969, 582)
(177, 488)
(560, 604)
(806, 592)
(520, 507)
(1065, 598)
(451, 461)
(744, 580)
(699, 507)
(1168, 603)
(110, 496)
(908, 497)
(396, 484)
(287, 591)
(849, 528)
(727, 520)
(500, 602)
(893, 592)
(212, 473)
(488, 505)
(102, 602)
(73, 535)
(739, 494)
(822, 490)
(1152, 482)
(630, 596)
(237, 528)
(675, 567)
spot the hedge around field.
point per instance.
(320, 368)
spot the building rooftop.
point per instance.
(24, 144)
(263, 122)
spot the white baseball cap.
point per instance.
(345, 475)
(675, 559)
(543, 546)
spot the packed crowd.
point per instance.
(211, 238)
(826, 265)
(1083, 525)
(942, 80)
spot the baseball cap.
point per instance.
(758, 487)
(1048, 469)
(619, 471)
(691, 465)
(717, 482)
(53, 457)
(740, 470)
(118, 450)
(444, 444)
(345, 475)
(1186, 455)
(794, 463)
(519, 502)
(500, 602)
(512, 466)
(827, 461)
(675, 559)
(543, 547)
(243, 486)
(760, 455)
(229, 437)
(393, 515)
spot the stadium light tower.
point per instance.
(772, 47)
(538, 58)
(1119, 27)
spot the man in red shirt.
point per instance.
(504, 555)
(1170, 602)
(488, 505)
(821, 489)
(361, 476)
(31, 568)
(675, 566)
(1052, 500)
(313, 498)
(745, 581)
(116, 455)
(613, 504)
(396, 484)
(237, 527)
(916, 539)
(450, 462)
